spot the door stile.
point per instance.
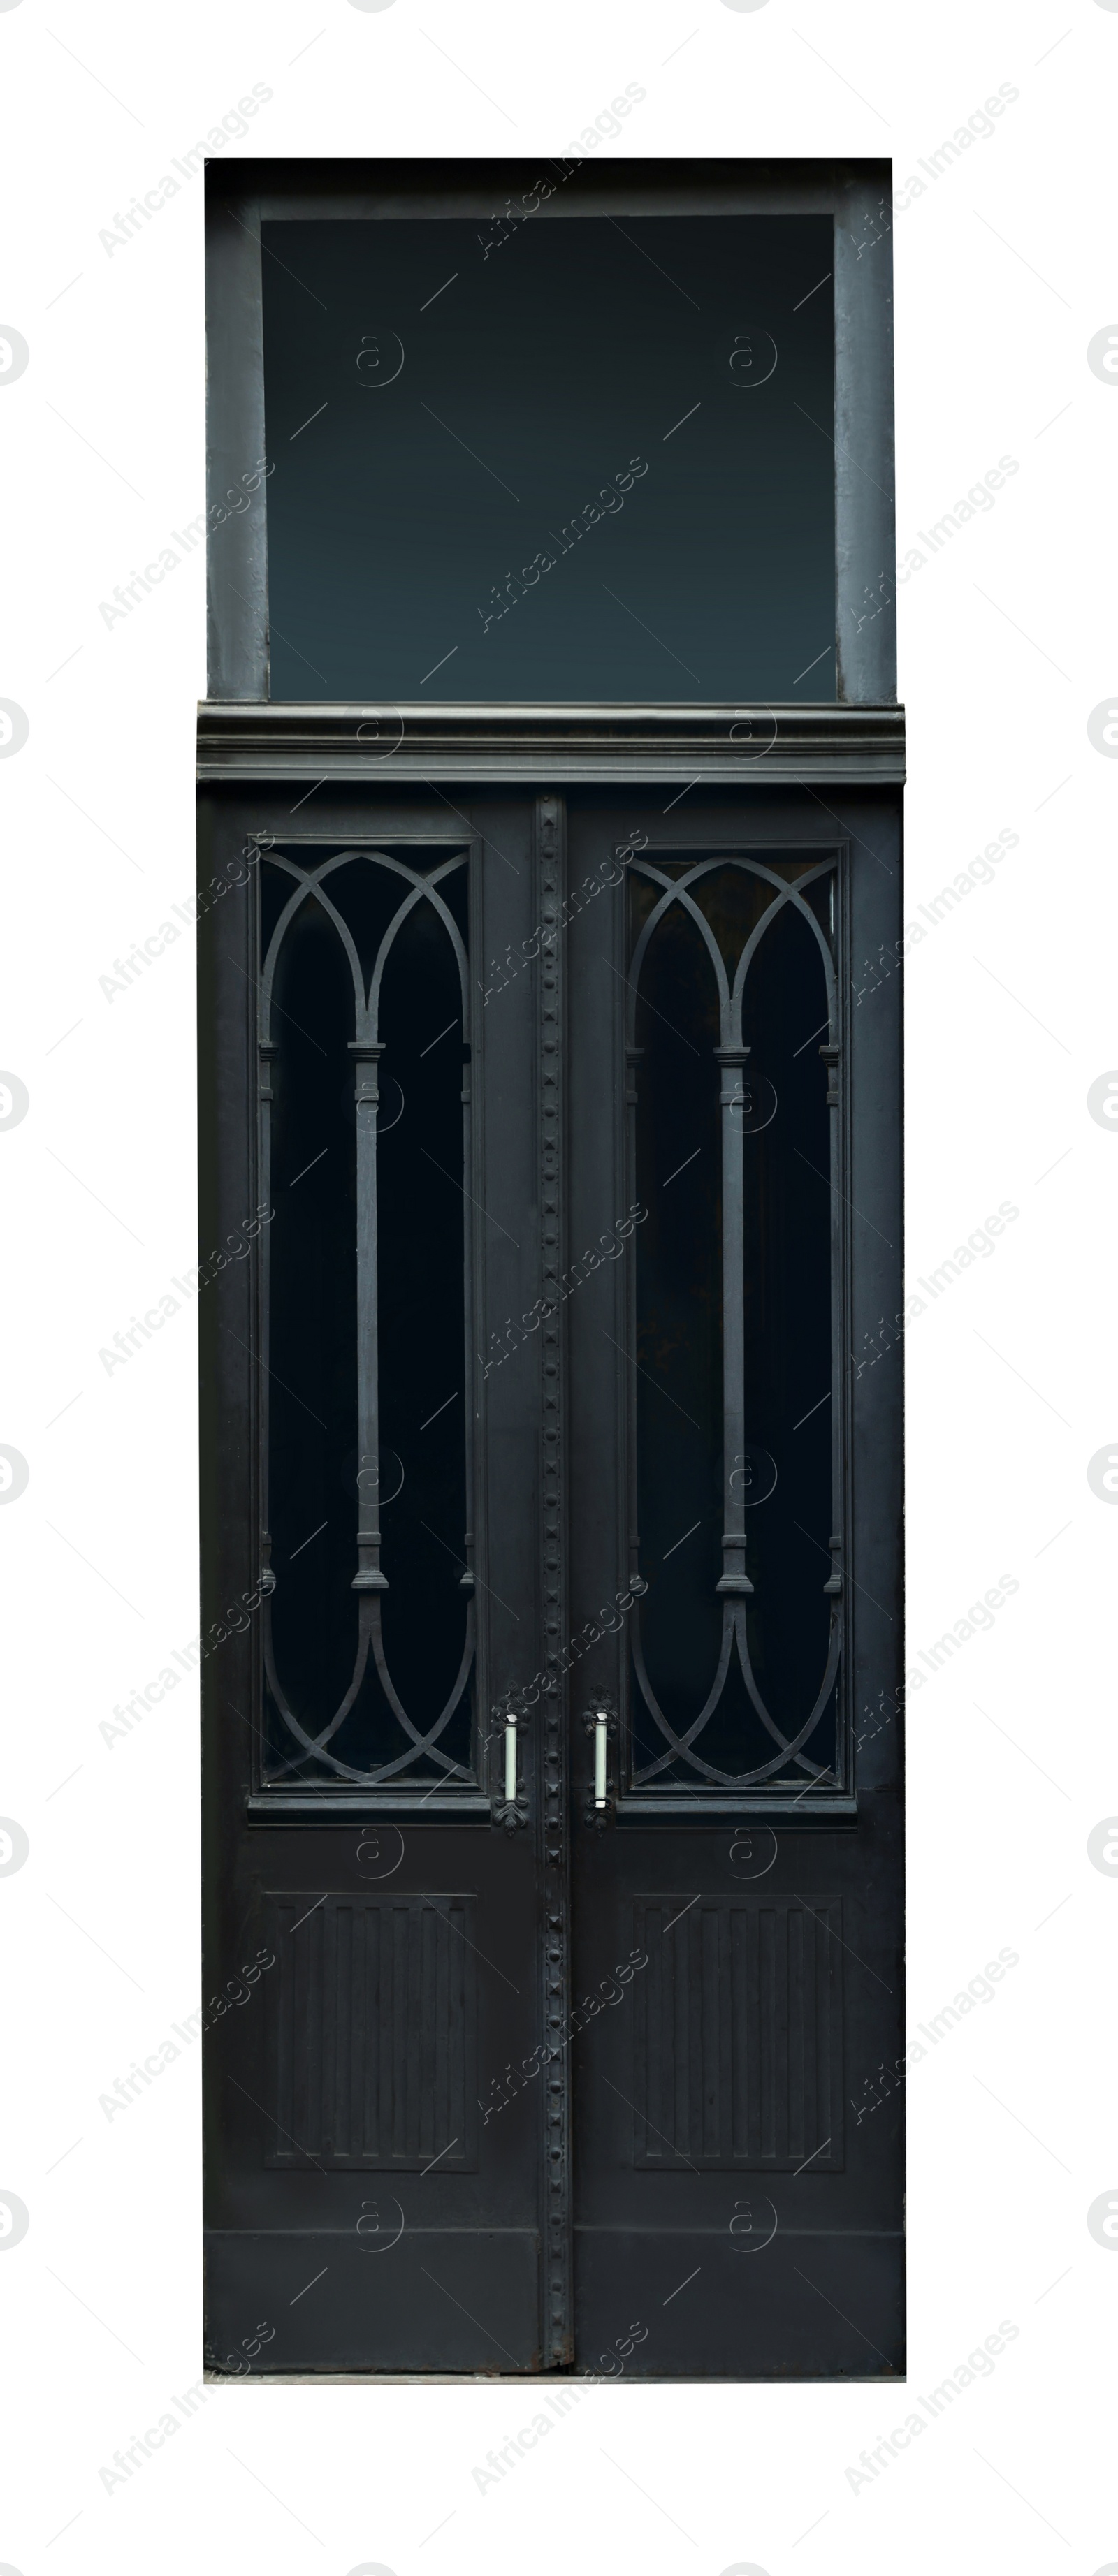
(550, 887)
(839, 1062)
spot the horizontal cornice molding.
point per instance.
(552, 745)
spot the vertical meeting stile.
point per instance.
(550, 880)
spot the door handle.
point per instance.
(510, 1803)
(601, 1724)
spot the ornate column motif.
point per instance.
(733, 1098)
(367, 1052)
(683, 1745)
(415, 885)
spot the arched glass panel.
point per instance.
(736, 1289)
(366, 1389)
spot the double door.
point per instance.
(552, 1619)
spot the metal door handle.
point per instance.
(601, 1727)
(600, 1723)
(509, 1800)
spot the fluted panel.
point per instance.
(372, 2014)
(738, 2034)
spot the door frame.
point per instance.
(246, 741)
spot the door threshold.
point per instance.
(542, 2379)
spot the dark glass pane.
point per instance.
(312, 1390)
(409, 1640)
(583, 460)
(679, 1321)
(422, 1325)
(787, 1279)
(781, 1253)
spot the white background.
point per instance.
(1004, 272)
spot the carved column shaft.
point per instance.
(366, 1053)
(733, 1102)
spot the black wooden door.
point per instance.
(380, 1496)
(738, 1471)
(551, 1180)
